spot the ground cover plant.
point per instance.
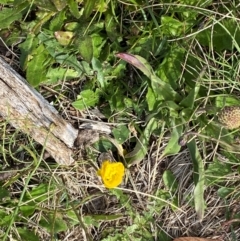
(164, 75)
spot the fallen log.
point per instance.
(26, 109)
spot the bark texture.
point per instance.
(26, 109)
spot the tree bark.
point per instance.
(26, 109)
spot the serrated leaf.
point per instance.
(86, 99)
(36, 68)
(199, 179)
(56, 74)
(58, 21)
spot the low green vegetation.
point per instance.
(160, 71)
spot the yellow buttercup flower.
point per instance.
(111, 173)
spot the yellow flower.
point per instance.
(111, 173)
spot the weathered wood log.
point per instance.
(26, 109)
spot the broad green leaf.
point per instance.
(170, 181)
(98, 43)
(85, 47)
(173, 147)
(172, 27)
(217, 171)
(224, 192)
(9, 15)
(73, 7)
(58, 74)
(226, 100)
(97, 66)
(40, 192)
(4, 193)
(27, 210)
(141, 148)
(199, 179)
(189, 100)
(58, 21)
(151, 99)
(37, 66)
(88, 8)
(27, 235)
(224, 35)
(121, 133)
(71, 61)
(170, 69)
(111, 27)
(5, 218)
(86, 99)
(54, 223)
(26, 49)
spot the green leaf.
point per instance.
(173, 147)
(97, 66)
(141, 147)
(170, 69)
(5, 218)
(86, 99)
(27, 210)
(121, 133)
(54, 223)
(151, 99)
(226, 100)
(172, 27)
(217, 171)
(73, 7)
(4, 193)
(85, 47)
(27, 235)
(40, 192)
(88, 8)
(9, 15)
(170, 181)
(226, 35)
(224, 192)
(199, 179)
(59, 74)
(26, 49)
(111, 26)
(58, 21)
(37, 67)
